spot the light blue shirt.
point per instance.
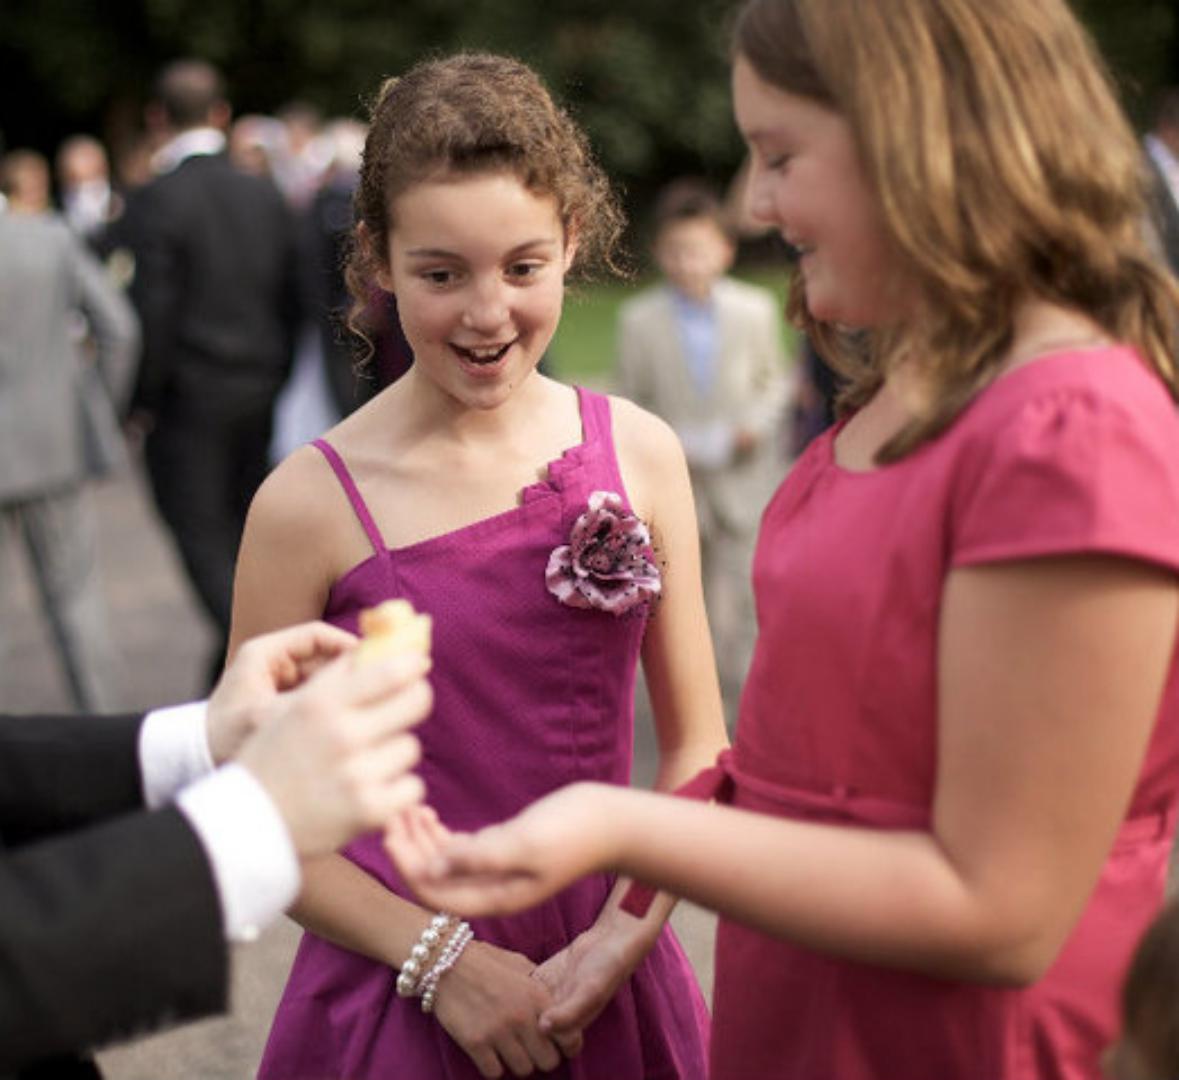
(697, 324)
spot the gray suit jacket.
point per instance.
(49, 397)
(749, 393)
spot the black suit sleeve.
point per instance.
(63, 772)
(157, 290)
(109, 917)
(105, 932)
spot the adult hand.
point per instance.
(490, 1005)
(264, 667)
(511, 866)
(586, 974)
(335, 755)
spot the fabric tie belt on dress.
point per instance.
(722, 781)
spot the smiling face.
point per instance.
(807, 181)
(477, 264)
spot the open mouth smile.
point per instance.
(484, 355)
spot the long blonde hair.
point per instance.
(1005, 169)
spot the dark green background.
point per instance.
(647, 77)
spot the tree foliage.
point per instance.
(1140, 41)
(648, 78)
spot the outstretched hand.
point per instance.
(507, 867)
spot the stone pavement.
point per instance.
(162, 639)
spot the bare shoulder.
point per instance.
(641, 435)
(649, 455)
(301, 504)
(287, 560)
(292, 487)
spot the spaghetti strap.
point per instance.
(595, 415)
(597, 424)
(353, 492)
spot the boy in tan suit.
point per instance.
(704, 352)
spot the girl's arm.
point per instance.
(678, 661)
(1050, 676)
(685, 699)
(295, 530)
(300, 535)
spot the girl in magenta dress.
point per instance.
(953, 786)
(549, 534)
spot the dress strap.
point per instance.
(595, 414)
(598, 426)
(353, 492)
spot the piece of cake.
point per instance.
(392, 629)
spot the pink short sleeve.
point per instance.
(1079, 467)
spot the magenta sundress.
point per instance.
(530, 694)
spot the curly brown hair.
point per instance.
(1005, 169)
(467, 114)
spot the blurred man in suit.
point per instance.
(58, 414)
(214, 284)
(704, 352)
(134, 849)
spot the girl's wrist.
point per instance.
(436, 952)
(593, 815)
(633, 936)
(617, 812)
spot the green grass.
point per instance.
(583, 347)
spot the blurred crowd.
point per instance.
(182, 295)
(222, 241)
(313, 161)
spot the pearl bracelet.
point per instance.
(450, 956)
(411, 969)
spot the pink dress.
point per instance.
(1075, 452)
(530, 694)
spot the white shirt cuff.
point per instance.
(255, 866)
(173, 750)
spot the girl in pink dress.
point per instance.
(550, 534)
(953, 786)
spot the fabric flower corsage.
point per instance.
(608, 563)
